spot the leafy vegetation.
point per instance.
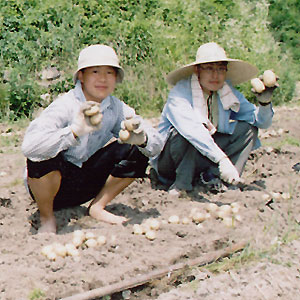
(152, 37)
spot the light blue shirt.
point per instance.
(50, 133)
(180, 114)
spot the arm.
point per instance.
(259, 116)
(182, 116)
(50, 133)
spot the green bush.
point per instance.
(152, 37)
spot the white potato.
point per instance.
(257, 85)
(185, 220)
(131, 124)
(269, 78)
(154, 224)
(77, 241)
(226, 209)
(173, 219)
(101, 240)
(60, 249)
(199, 217)
(137, 229)
(93, 110)
(124, 135)
(90, 235)
(70, 248)
(51, 255)
(212, 207)
(47, 249)
(91, 243)
(150, 235)
(96, 119)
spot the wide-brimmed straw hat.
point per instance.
(99, 55)
(238, 71)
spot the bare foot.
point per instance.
(48, 225)
(101, 214)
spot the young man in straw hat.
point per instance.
(69, 159)
(209, 128)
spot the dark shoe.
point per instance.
(211, 182)
(296, 167)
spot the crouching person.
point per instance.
(209, 127)
(71, 157)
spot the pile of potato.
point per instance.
(228, 214)
(80, 239)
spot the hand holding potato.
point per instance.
(88, 119)
(131, 132)
(264, 86)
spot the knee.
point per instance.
(50, 181)
(178, 144)
(247, 130)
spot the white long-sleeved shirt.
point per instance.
(50, 133)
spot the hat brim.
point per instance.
(238, 71)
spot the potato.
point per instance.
(257, 85)
(226, 209)
(154, 224)
(93, 110)
(124, 135)
(47, 249)
(137, 229)
(185, 221)
(173, 219)
(269, 78)
(96, 119)
(150, 235)
(60, 250)
(131, 124)
(91, 243)
(77, 241)
(199, 217)
(101, 240)
(71, 249)
(90, 235)
(212, 207)
(51, 256)
(79, 233)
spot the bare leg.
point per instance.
(113, 187)
(44, 190)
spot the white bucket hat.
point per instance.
(238, 71)
(99, 55)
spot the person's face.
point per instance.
(211, 76)
(97, 82)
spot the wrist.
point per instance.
(145, 142)
(264, 104)
(75, 132)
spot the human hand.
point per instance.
(88, 119)
(264, 86)
(132, 132)
(228, 171)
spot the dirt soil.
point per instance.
(268, 221)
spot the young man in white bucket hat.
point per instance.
(208, 127)
(71, 157)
